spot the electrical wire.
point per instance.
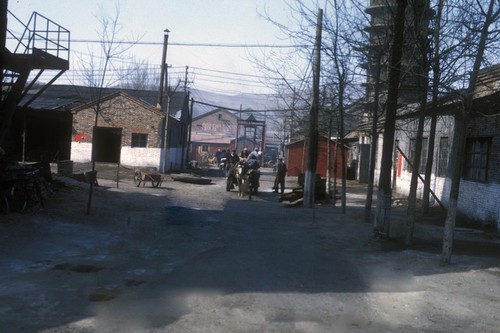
(227, 45)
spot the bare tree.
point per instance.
(291, 74)
(382, 217)
(488, 13)
(97, 66)
(421, 59)
(436, 78)
(139, 76)
(340, 47)
(376, 58)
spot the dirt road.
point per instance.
(195, 258)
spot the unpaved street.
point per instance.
(195, 258)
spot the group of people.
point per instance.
(252, 158)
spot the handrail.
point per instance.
(40, 33)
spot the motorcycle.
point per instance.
(222, 164)
(253, 182)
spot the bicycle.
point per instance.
(21, 192)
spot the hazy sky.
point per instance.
(233, 22)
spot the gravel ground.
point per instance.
(194, 258)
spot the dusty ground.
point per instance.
(195, 258)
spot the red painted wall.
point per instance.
(297, 158)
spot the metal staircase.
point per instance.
(41, 47)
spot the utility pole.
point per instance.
(3, 34)
(190, 123)
(159, 103)
(312, 156)
(186, 79)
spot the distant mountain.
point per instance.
(67, 96)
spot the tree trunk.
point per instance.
(342, 145)
(310, 176)
(382, 217)
(451, 216)
(374, 144)
(460, 123)
(436, 69)
(329, 155)
(423, 82)
(412, 198)
(428, 167)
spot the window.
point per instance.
(476, 159)
(423, 155)
(443, 157)
(204, 148)
(139, 140)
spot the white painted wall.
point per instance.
(137, 157)
(477, 200)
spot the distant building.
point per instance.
(297, 154)
(212, 131)
(414, 76)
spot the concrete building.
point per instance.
(480, 183)
(479, 197)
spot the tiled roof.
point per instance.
(67, 97)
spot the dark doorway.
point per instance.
(106, 144)
(41, 135)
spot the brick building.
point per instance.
(58, 125)
(138, 125)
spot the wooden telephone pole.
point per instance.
(159, 104)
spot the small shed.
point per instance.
(297, 152)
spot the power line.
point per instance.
(232, 73)
(229, 45)
(246, 110)
(226, 78)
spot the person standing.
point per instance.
(244, 153)
(253, 159)
(219, 155)
(279, 181)
(233, 158)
